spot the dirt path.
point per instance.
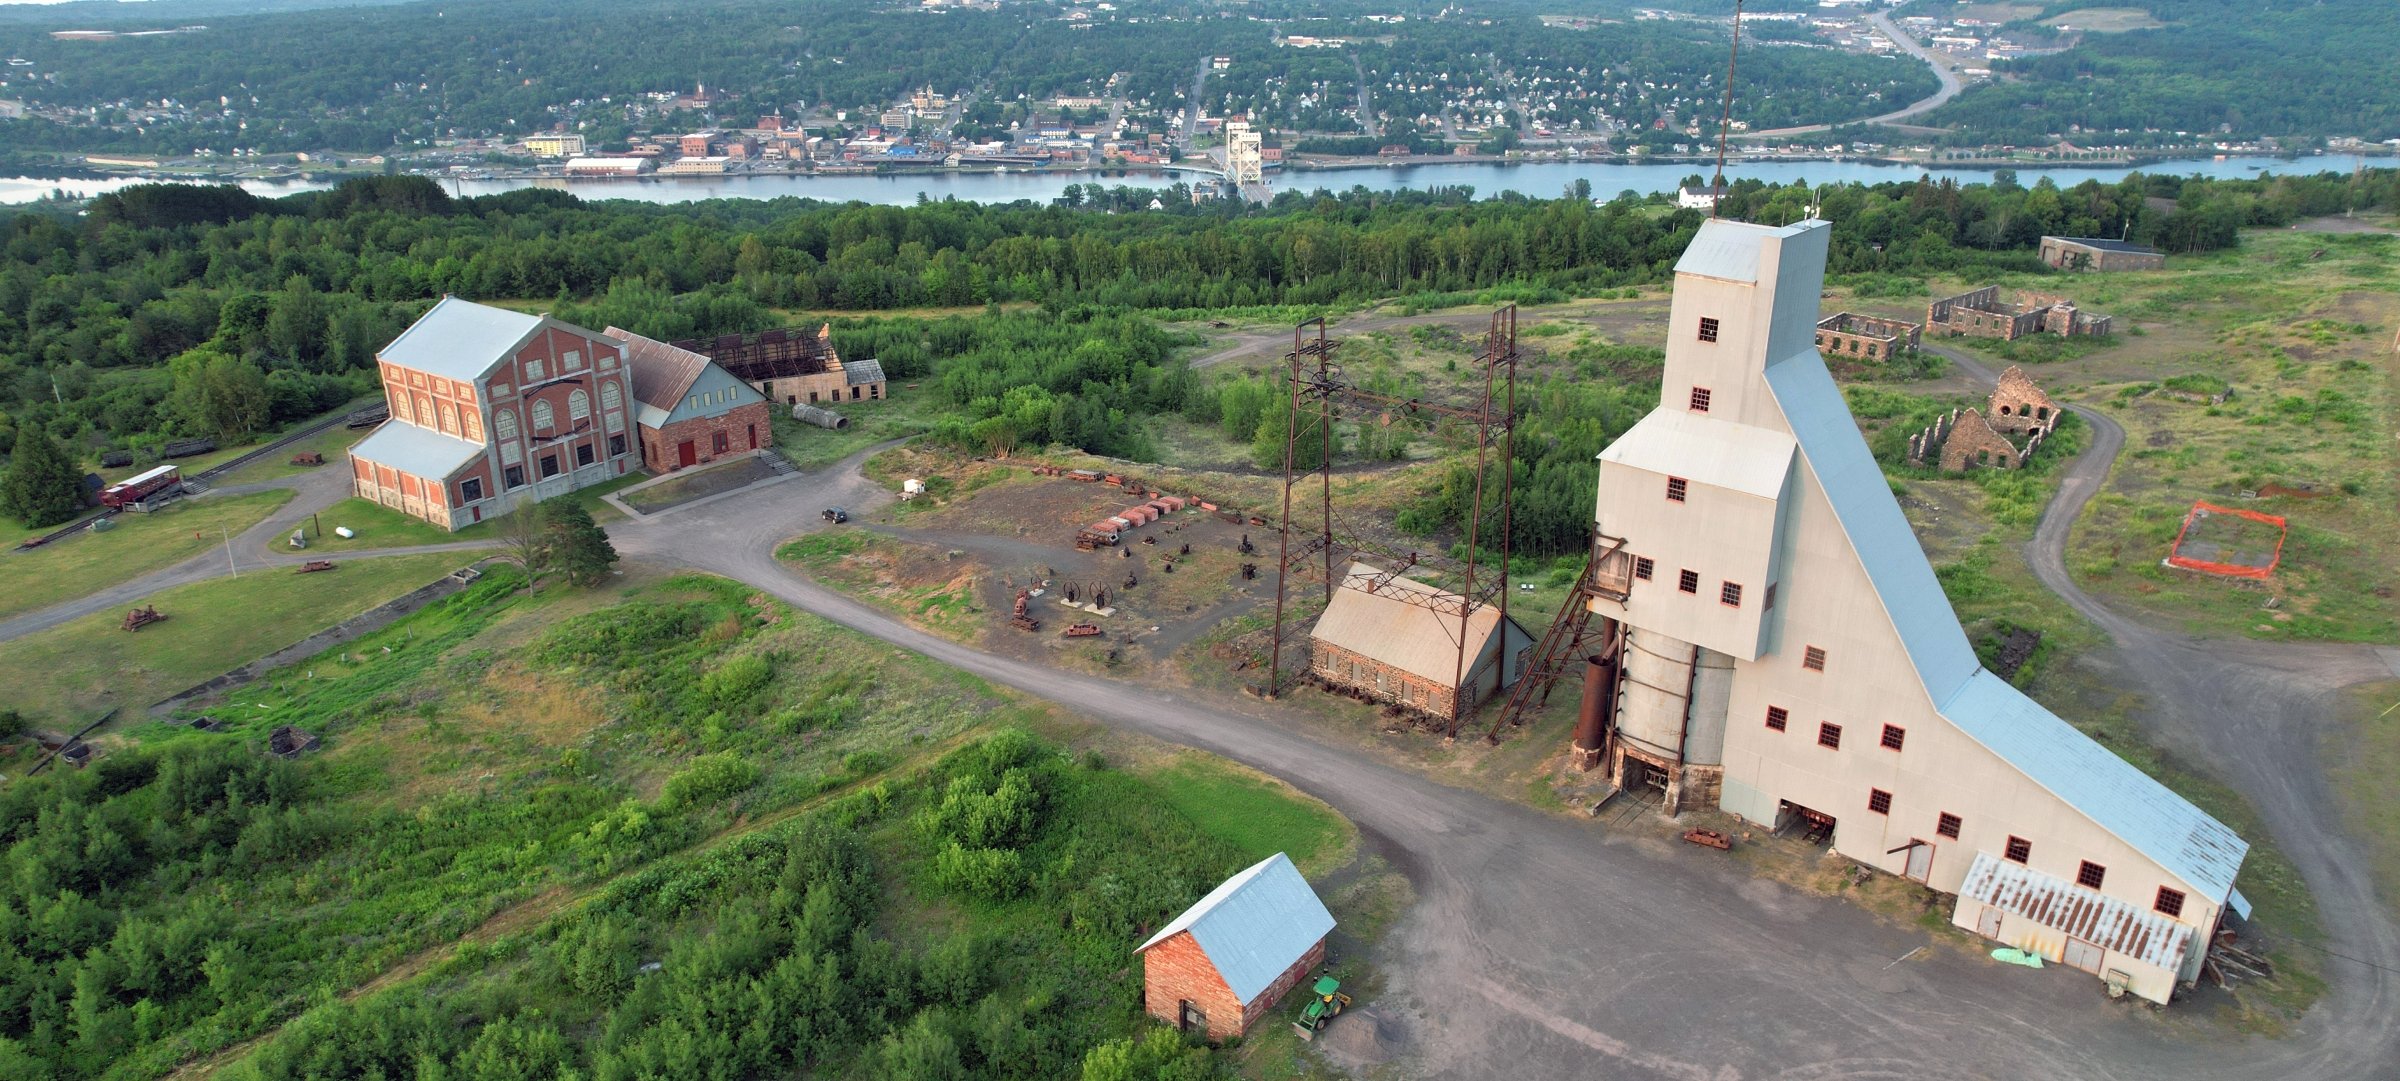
(2254, 713)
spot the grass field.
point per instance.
(334, 443)
(905, 413)
(379, 526)
(1253, 812)
(2105, 20)
(141, 543)
(63, 677)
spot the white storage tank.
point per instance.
(1658, 672)
(1712, 696)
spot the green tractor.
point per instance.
(1322, 1007)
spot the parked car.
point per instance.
(836, 515)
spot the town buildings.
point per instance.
(492, 407)
(690, 411)
(1394, 639)
(1221, 965)
(2089, 253)
(554, 145)
(1778, 646)
(1983, 314)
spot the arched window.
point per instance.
(579, 406)
(543, 418)
(611, 399)
(401, 410)
(504, 425)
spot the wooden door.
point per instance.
(2084, 955)
(687, 453)
(1988, 924)
(1920, 862)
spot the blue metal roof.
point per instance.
(420, 452)
(1255, 925)
(1732, 250)
(460, 339)
(2119, 798)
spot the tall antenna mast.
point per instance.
(1725, 119)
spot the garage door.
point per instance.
(2083, 955)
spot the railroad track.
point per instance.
(217, 470)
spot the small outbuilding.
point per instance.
(1228, 959)
(1395, 639)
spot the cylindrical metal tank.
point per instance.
(1599, 686)
(1657, 677)
(1712, 695)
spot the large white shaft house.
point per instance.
(1784, 649)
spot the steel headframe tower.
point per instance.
(1318, 394)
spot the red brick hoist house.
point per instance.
(492, 407)
(1223, 964)
(689, 410)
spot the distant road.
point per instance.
(1950, 85)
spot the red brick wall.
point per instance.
(658, 444)
(1176, 971)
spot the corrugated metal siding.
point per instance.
(1254, 925)
(2071, 910)
(460, 339)
(2126, 802)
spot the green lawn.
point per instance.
(334, 443)
(379, 526)
(63, 677)
(1253, 812)
(810, 447)
(141, 543)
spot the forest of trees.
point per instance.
(172, 310)
(2240, 67)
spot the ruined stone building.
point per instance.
(794, 367)
(1866, 337)
(2002, 435)
(1782, 650)
(2093, 253)
(1983, 314)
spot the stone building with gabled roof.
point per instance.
(688, 409)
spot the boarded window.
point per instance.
(1879, 801)
(1829, 735)
(1948, 825)
(1778, 718)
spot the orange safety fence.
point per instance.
(2199, 511)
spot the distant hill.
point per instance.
(2307, 68)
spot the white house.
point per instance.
(1695, 198)
(1784, 651)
